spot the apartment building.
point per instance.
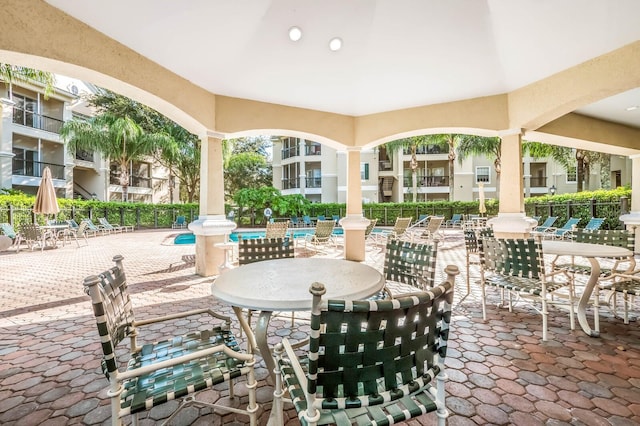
(318, 172)
(30, 141)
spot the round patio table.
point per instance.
(283, 285)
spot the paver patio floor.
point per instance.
(499, 370)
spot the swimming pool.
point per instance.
(190, 238)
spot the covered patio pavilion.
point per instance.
(558, 72)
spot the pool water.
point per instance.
(191, 238)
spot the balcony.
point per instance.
(313, 182)
(84, 156)
(313, 149)
(427, 181)
(291, 183)
(290, 152)
(427, 149)
(538, 182)
(385, 166)
(36, 121)
(31, 168)
(135, 181)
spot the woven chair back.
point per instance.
(411, 263)
(277, 229)
(607, 237)
(515, 257)
(261, 249)
(324, 229)
(113, 310)
(366, 352)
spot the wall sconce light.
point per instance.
(552, 190)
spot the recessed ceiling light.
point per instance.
(633, 108)
(295, 33)
(335, 44)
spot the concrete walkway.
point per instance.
(499, 370)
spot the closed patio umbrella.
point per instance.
(481, 207)
(46, 201)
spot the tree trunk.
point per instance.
(414, 173)
(452, 158)
(124, 181)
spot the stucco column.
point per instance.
(6, 144)
(354, 223)
(212, 226)
(511, 221)
(632, 219)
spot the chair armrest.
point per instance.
(182, 315)
(295, 363)
(128, 374)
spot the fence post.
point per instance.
(385, 215)
(624, 205)
(121, 216)
(91, 213)
(569, 209)
(155, 217)
(10, 213)
(592, 205)
(550, 212)
(138, 217)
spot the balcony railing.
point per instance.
(290, 152)
(37, 121)
(31, 168)
(427, 149)
(84, 155)
(291, 183)
(313, 182)
(538, 182)
(313, 149)
(385, 166)
(137, 181)
(429, 181)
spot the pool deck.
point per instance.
(499, 370)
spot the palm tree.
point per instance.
(412, 143)
(118, 139)
(10, 73)
(568, 158)
(489, 147)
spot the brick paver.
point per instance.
(499, 370)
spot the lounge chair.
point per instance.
(8, 231)
(548, 223)
(566, 231)
(180, 223)
(398, 231)
(306, 221)
(34, 237)
(93, 228)
(432, 230)
(322, 236)
(594, 224)
(368, 232)
(117, 228)
(111, 228)
(454, 222)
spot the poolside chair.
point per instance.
(594, 224)
(368, 232)
(321, 217)
(8, 231)
(454, 222)
(432, 229)
(94, 229)
(548, 222)
(566, 231)
(121, 228)
(174, 367)
(398, 231)
(295, 222)
(472, 254)
(516, 267)
(369, 362)
(277, 229)
(180, 222)
(34, 237)
(306, 221)
(336, 219)
(322, 236)
(109, 227)
(81, 232)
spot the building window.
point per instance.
(572, 174)
(364, 171)
(483, 174)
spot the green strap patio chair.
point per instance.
(369, 362)
(173, 368)
(516, 267)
